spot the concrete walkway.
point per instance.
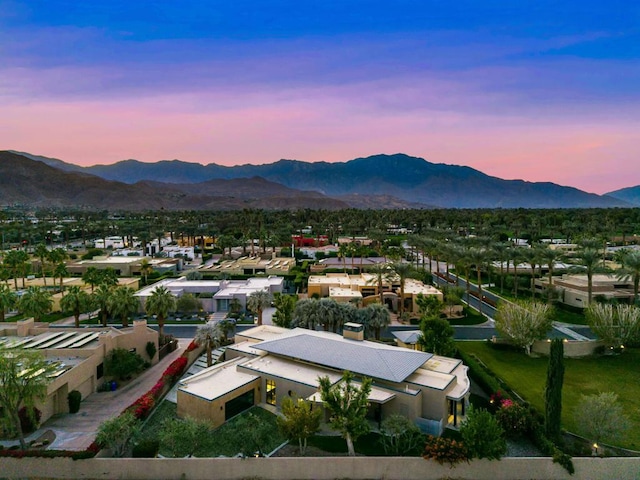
(77, 431)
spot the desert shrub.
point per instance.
(74, 398)
(445, 450)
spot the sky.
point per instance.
(535, 90)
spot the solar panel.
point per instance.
(83, 342)
(73, 340)
(64, 336)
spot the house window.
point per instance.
(238, 405)
(271, 392)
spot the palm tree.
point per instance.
(500, 253)
(102, 298)
(35, 302)
(516, 256)
(60, 271)
(145, 269)
(208, 335)
(42, 253)
(15, 260)
(8, 300)
(550, 256)
(76, 300)
(402, 271)
(631, 269)
(590, 259)
(532, 257)
(258, 301)
(477, 257)
(123, 303)
(307, 314)
(160, 303)
(381, 274)
(92, 277)
(378, 317)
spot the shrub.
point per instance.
(151, 350)
(122, 363)
(146, 448)
(29, 418)
(74, 398)
(445, 450)
(515, 419)
(482, 435)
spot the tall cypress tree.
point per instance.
(553, 390)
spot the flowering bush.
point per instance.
(175, 370)
(192, 346)
(143, 406)
(515, 419)
(445, 450)
(158, 389)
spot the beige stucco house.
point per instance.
(78, 355)
(267, 364)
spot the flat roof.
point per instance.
(292, 370)
(431, 379)
(377, 395)
(441, 364)
(371, 359)
(246, 348)
(216, 381)
(263, 332)
(344, 292)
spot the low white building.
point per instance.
(215, 295)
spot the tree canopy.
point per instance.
(348, 405)
(523, 322)
(24, 376)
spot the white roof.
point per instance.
(215, 381)
(297, 372)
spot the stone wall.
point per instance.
(318, 468)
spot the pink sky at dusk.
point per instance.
(321, 129)
(550, 93)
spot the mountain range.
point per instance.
(379, 181)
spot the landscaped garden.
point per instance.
(228, 440)
(526, 376)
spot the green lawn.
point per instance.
(471, 317)
(585, 376)
(48, 318)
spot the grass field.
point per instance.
(585, 376)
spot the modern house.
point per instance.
(343, 287)
(267, 364)
(253, 265)
(215, 295)
(574, 288)
(78, 355)
(126, 266)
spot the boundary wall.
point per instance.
(316, 468)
